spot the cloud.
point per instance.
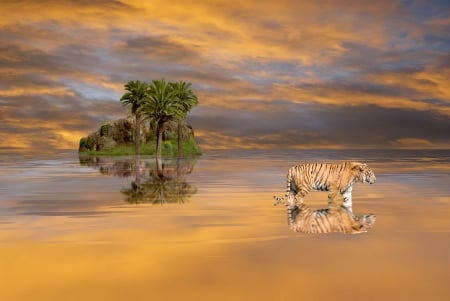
(290, 73)
(314, 125)
(412, 143)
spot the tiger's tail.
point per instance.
(285, 199)
(279, 200)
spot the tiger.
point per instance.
(302, 218)
(336, 178)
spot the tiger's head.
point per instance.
(363, 223)
(365, 173)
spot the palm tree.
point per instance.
(136, 93)
(161, 106)
(184, 95)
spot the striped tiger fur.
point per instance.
(336, 178)
(303, 219)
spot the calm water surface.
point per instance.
(94, 229)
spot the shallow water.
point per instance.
(206, 229)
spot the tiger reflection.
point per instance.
(302, 218)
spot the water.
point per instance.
(206, 229)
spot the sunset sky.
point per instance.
(268, 74)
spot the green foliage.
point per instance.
(86, 144)
(184, 95)
(160, 102)
(191, 147)
(134, 97)
(164, 102)
(169, 149)
(136, 93)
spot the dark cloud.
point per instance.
(160, 48)
(288, 125)
(293, 73)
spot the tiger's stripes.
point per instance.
(302, 218)
(336, 178)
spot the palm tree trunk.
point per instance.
(137, 173)
(137, 136)
(180, 148)
(159, 167)
(159, 139)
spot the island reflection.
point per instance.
(155, 181)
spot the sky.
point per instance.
(268, 74)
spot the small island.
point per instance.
(156, 125)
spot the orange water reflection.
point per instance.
(228, 242)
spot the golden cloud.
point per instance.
(413, 143)
(251, 56)
(57, 91)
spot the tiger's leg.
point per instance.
(335, 198)
(297, 197)
(294, 193)
(347, 199)
(291, 198)
(292, 212)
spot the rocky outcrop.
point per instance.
(111, 134)
(171, 127)
(121, 132)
